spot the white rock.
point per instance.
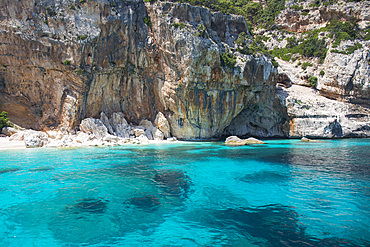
(162, 124)
(53, 134)
(143, 139)
(172, 139)
(119, 125)
(139, 130)
(94, 126)
(105, 121)
(19, 136)
(9, 131)
(34, 138)
(234, 141)
(158, 135)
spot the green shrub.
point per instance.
(312, 81)
(79, 71)
(82, 1)
(296, 7)
(180, 25)
(352, 49)
(322, 73)
(367, 35)
(4, 121)
(202, 31)
(349, 50)
(67, 62)
(228, 60)
(72, 7)
(82, 37)
(306, 64)
(147, 21)
(274, 62)
(252, 11)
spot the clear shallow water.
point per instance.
(285, 193)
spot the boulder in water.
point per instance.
(234, 141)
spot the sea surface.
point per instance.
(283, 193)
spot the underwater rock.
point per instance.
(6, 170)
(176, 183)
(89, 205)
(147, 202)
(42, 169)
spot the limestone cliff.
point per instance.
(62, 61)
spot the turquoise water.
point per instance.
(285, 193)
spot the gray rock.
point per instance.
(139, 130)
(120, 125)
(8, 131)
(19, 136)
(162, 124)
(158, 135)
(106, 122)
(94, 126)
(33, 139)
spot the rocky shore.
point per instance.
(91, 132)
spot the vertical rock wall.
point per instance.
(63, 61)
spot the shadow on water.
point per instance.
(272, 225)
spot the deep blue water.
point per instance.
(285, 193)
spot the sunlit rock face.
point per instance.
(63, 62)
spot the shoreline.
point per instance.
(5, 144)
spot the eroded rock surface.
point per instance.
(74, 63)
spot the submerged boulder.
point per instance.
(147, 202)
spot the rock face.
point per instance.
(73, 63)
(314, 116)
(62, 65)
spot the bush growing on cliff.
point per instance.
(228, 60)
(147, 21)
(4, 121)
(253, 12)
(312, 81)
(306, 64)
(309, 46)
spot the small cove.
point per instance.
(284, 193)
